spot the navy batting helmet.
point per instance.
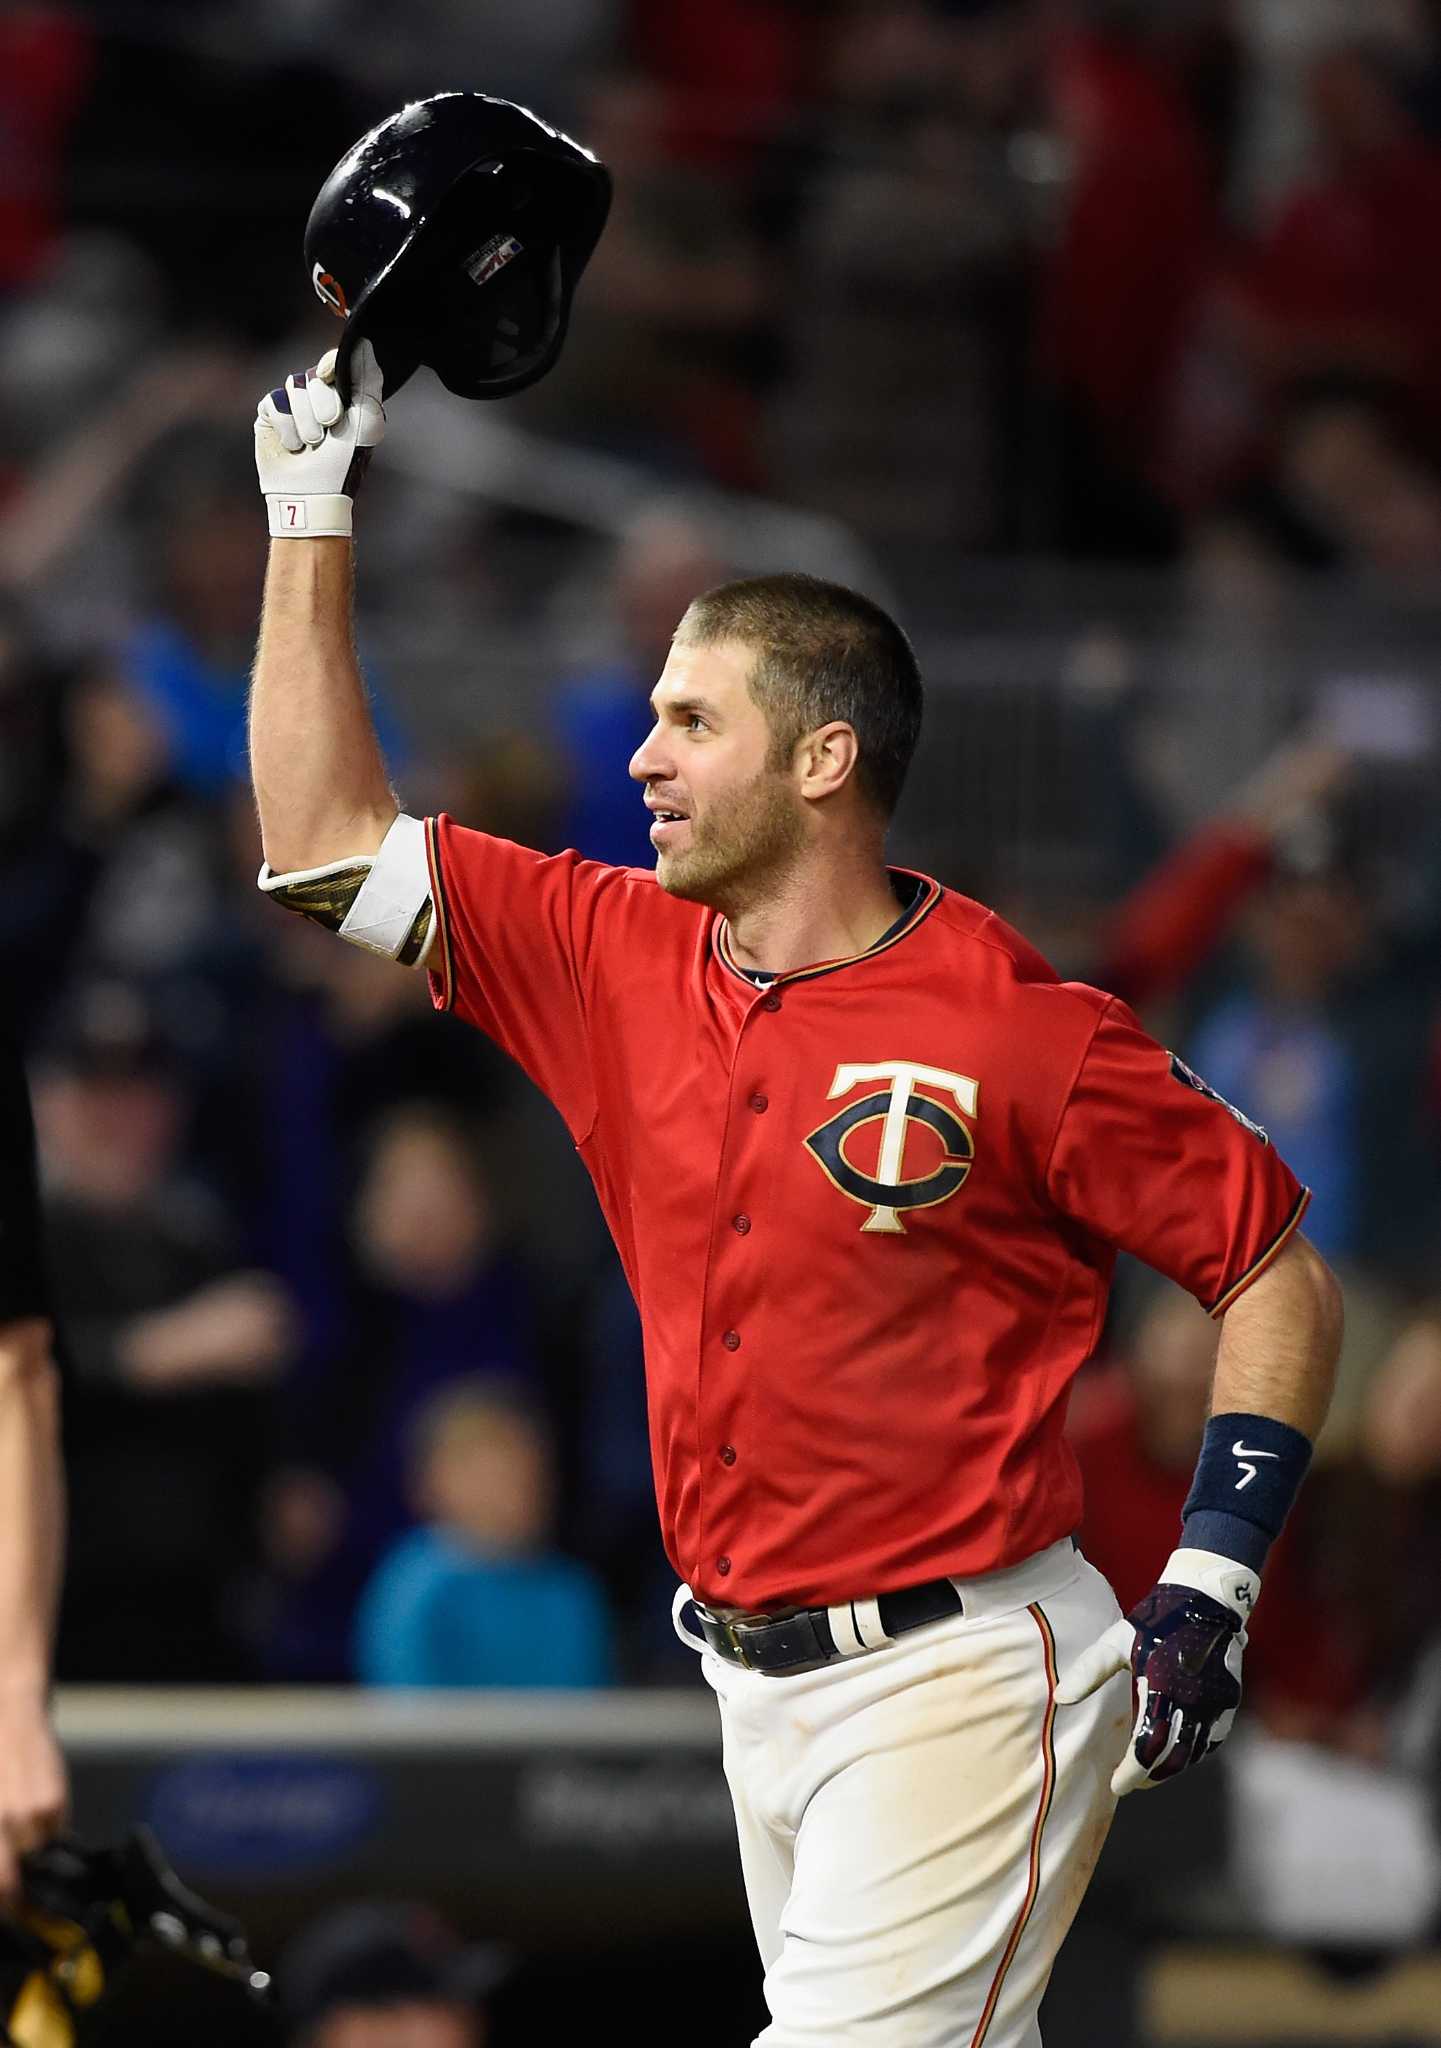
(453, 234)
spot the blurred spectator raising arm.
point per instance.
(85, 471)
(1173, 920)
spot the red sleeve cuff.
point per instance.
(1271, 1253)
(442, 963)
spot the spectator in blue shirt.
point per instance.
(1326, 1038)
(188, 658)
(476, 1596)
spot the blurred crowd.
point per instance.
(354, 1383)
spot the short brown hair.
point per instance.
(822, 652)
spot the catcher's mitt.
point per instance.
(84, 1914)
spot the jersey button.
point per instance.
(732, 1340)
(759, 1104)
(728, 1454)
(740, 1224)
(722, 1565)
(771, 1002)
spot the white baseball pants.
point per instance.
(918, 1824)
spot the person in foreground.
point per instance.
(868, 1164)
(33, 1791)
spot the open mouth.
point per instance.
(666, 826)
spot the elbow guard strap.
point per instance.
(381, 901)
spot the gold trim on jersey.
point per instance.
(446, 972)
(921, 909)
(1254, 1272)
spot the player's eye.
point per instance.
(695, 720)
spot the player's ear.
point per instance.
(827, 759)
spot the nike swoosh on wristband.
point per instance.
(1241, 1454)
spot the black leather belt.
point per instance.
(804, 1641)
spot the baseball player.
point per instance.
(867, 1163)
(33, 1794)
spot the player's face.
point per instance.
(726, 820)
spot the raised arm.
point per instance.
(336, 847)
(320, 783)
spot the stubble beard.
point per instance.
(748, 838)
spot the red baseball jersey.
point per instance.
(869, 1213)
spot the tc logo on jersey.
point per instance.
(903, 1115)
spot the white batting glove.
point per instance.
(1182, 1646)
(311, 451)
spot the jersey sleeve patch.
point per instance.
(1189, 1078)
(1144, 1161)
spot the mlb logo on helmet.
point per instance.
(329, 291)
(492, 256)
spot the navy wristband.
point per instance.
(1248, 1474)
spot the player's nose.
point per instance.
(648, 763)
